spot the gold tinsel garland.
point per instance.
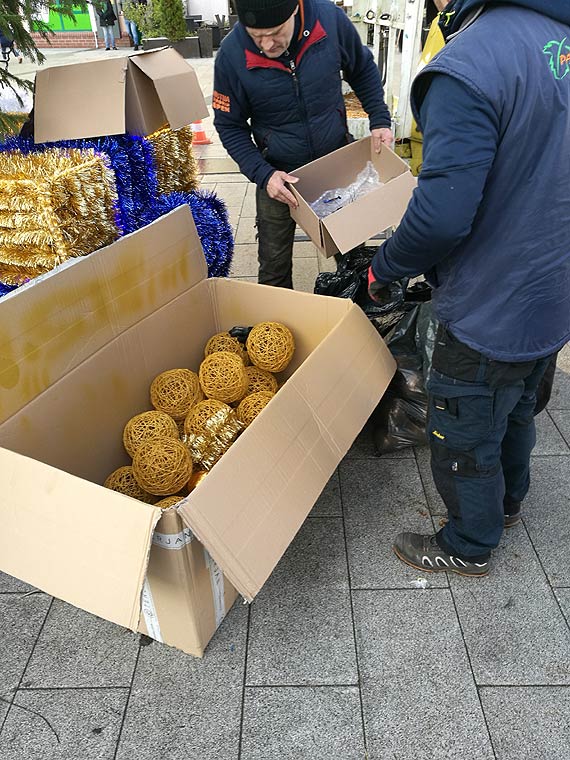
(176, 167)
(53, 205)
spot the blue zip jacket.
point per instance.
(489, 222)
(293, 106)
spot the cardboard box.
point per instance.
(137, 94)
(79, 350)
(361, 220)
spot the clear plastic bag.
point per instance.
(333, 200)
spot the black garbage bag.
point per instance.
(399, 420)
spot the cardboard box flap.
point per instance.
(267, 482)
(80, 100)
(176, 85)
(50, 327)
(61, 536)
(374, 214)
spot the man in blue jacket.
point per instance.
(489, 225)
(277, 79)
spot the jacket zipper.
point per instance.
(293, 69)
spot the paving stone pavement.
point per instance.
(340, 657)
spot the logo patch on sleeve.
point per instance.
(221, 102)
(558, 54)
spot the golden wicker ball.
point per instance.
(204, 411)
(222, 377)
(260, 380)
(162, 466)
(147, 425)
(252, 405)
(270, 346)
(170, 501)
(123, 480)
(225, 342)
(175, 392)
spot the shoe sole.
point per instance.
(446, 570)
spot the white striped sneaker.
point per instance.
(423, 553)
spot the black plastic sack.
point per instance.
(399, 420)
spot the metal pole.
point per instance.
(411, 50)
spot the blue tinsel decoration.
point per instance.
(4, 289)
(212, 223)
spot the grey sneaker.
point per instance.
(512, 515)
(423, 553)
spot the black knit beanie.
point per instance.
(264, 14)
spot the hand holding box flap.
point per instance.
(68, 538)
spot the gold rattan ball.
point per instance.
(175, 391)
(162, 466)
(252, 405)
(123, 481)
(224, 342)
(270, 346)
(170, 501)
(260, 380)
(222, 376)
(145, 426)
(204, 411)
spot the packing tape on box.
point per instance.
(217, 581)
(173, 540)
(149, 612)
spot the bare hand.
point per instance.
(380, 137)
(277, 190)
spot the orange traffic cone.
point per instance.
(199, 136)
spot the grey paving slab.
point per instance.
(418, 693)
(232, 193)
(248, 210)
(513, 627)
(63, 724)
(301, 625)
(560, 398)
(184, 708)
(382, 498)
(547, 515)
(538, 723)
(305, 273)
(225, 177)
(561, 419)
(21, 618)
(79, 649)
(563, 596)
(244, 262)
(302, 250)
(246, 231)
(548, 439)
(328, 504)
(10, 584)
(316, 723)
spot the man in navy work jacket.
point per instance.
(277, 78)
(489, 225)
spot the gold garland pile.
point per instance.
(192, 425)
(176, 167)
(53, 205)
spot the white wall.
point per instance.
(208, 9)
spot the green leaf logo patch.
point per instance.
(558, 54)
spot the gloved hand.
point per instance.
(377, 291)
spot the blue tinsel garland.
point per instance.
(212, 223)
(132, 160)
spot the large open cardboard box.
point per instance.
(137, 94)
(78, 351)
(361, 220)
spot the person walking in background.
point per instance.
(131, 27)
(8, 47)
(278, 105)
(488, 225)
(107, 19)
